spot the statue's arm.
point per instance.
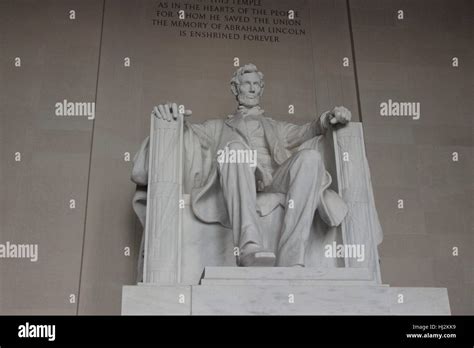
(205, 131)
(295, 135)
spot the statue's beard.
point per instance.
(247, 101)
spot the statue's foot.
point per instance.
(257, 259)
(253, 256)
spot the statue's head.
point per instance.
(247, 85)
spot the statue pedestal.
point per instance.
(283, 291)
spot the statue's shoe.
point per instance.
(254, 256)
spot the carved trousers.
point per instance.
(299, 178)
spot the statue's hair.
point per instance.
(247, 68)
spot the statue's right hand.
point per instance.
(170, 111)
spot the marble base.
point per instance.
(146, 299)
(284, 291)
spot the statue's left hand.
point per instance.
(340, 115)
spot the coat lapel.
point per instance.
(236, 123)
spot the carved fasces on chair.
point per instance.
(163, 223)
(361, 225)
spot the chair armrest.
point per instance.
(361, 225)
(163, 215)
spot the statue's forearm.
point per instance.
(322, 123)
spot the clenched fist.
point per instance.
(169, 111)
(339, 115)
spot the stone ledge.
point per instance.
(287, 282)
(147, 299)
(275, 300)
(286, 273)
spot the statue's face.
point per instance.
(249, 90)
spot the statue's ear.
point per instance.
(233, 88)
(261, 90)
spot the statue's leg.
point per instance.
(238, 186)
(300, 178)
